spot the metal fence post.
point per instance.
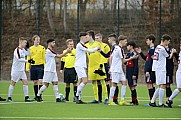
(38, 8)
(78, 20)
(1, 21)
(118, 18)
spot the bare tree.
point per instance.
(49, 15)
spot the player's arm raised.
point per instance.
(68, 50)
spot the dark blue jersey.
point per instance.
(131, 66)
(148, 59)
(109, 53)
(169, 63)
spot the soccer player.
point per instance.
(18, 68)
(116, 70)
(178, 81)
(81, 65)
(132, 71)
(112, 42)
(169, 73)
(159, 66)
(50, 74)
(37, 53)
(105, 48)
(149, 73)
(67, 64)
(95, 63)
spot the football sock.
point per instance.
(40, 86)
(67, 91)
(115, 98)
(36, 90)
(95, 90)
(123, 92)
(168, 92)
(100, 92)
(174, 94)
(151, 92)
(25, 88)
(134, 95)
(55, 89)
(75, 90)
(108, 90)
(10, 91)
(155, 95)
(79, 90)
(112, 91)
(41, 90)
(104, 88)
(161, 94)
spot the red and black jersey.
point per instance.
(148, 59)
(131, 66)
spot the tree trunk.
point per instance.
(65, 16)
(49, 15)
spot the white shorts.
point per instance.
(16, 76)
(178, 79)
(160, 77)
(117, 77)
(50, 77)
(81, 72)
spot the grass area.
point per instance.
(49, 109)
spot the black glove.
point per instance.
(99, 71)
(31, 61)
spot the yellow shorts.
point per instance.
(93, 76)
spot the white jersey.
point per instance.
(159, 58)
(50, 60)
(179, 62)
(117, 56)
(19, 59)
(81, 50)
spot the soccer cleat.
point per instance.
(152, 104)
(134, 102)
(60, 100)
(162, 106)
(74, 99)
(28, 100)
(122, 102)
(38, 99)
(115, 101)
(95, 102)
(67, 99)
(2, 99)
(112, 103)
(106, 101)
(80, 102)
(9, 99)
(169, 103)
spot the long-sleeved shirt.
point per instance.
(19, 59)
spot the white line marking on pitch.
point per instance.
(60, 118)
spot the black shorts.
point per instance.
(169, 79)
(36, 72)
(152, 78)
(70, 75)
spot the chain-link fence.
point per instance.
(63, 19)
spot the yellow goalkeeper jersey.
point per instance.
(105, 48)
(95, 60)
(95, 57)
(69, 59)
(37, 54)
